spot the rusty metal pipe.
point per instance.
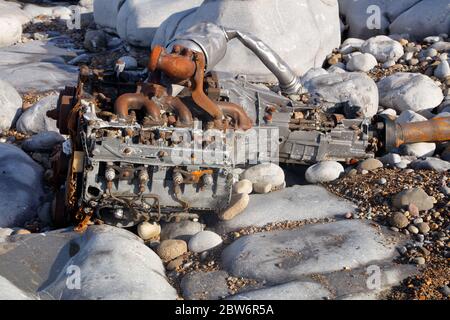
(237, 113)
(137, 101)
(177, 106)
(175, 66)
(434, 130)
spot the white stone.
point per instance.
(11, 29)
(353, 87)
(10, 105)
(419, 150)
(409, 116)
(409, 91)
(138, 20)
(363, 62)
(350, 45)
(383, 48)
(416, 20)
(21, 188)
(147, 230)
(389, 112)
(244, 186)
(361, 14)
(325, 171)
(313, 73)
(37, 66)
(35, 120)
(318, 21)
(204, 241)
(129, 61)
(114, 264)
(265, 173)
(442, 71)
(8, 291)
(105, 13)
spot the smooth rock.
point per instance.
(38, 66)
(205, 285)
(442, 71)
(416, 20)
(21, 188)
(423, 227)
(367, 18)
(129, 62)
(410, 116)
(295, 290)
(35, 120)
(138, 20)
(204, 241)
(266, 19)
(417, 196)
(262, 188)
(313, 73)
(357, 89)
(391, 159)
(42, 142)
(370, 165)
(105, 13)
(8, 291)
(419, 261)
(389, 112)
(323, 172)
(363, 62)
(265, 173)
(182, 230)
(296, 203)
(383, 48)
(286, 255)
(431, 164)
(409, 91)
(243, 186)
(11, 27)
(11, 105)
(419, 150)
(171, 249)
(95, 40)
(239, 202)
(148, 230)
(413, 229)
(398, 220)
(113, 264)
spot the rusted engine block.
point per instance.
(138, 149)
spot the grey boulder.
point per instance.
(35, 120)
(296, 203)
(205, 285)
(283, 256)
(383, 48)
(11, 105)
(409, 91)
(42, 142)
(426, 18)
(431, 164)
(138, 20)
(355, 88)
(21, 186)
(104, 263)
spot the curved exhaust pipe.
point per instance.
(137, 101)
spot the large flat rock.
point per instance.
(291, 204)
(38, 66)
(282, 256)
(111, 263)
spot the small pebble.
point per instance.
(419, 261)
(413, 229)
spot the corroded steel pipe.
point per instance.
(434, 130)
(137, 101)
(237, 113)
(174, 65)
